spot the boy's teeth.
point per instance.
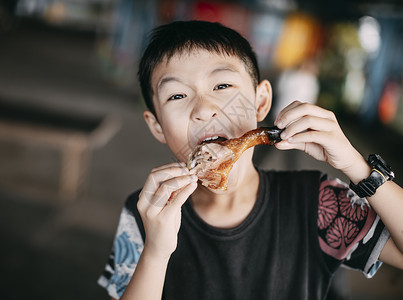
(211, 138)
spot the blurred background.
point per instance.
(73, 143)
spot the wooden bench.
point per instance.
(75, 135)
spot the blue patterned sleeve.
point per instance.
(127, 248)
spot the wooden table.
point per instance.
(76, 136)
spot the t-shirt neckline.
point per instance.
(234, 232)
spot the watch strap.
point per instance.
(367, 187)
(377, 162)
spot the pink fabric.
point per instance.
(344, 222)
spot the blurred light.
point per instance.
(355, 59)
(354, 83)
(299, 40)
(281, 5)
(369, 34)
(389, 103)
(30, 7)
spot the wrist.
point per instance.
(359, 170)
(380, 173)
(151, 255)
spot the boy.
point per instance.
(271, 235)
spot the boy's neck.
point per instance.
(229, 209)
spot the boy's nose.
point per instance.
(204, 109)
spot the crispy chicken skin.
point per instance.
(213, 161)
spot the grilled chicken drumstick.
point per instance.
(213, 160)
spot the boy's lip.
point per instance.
(210, 135)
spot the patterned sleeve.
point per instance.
(350, 232)
(125, 254)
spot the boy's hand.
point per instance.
(165, 191)
(316, 131)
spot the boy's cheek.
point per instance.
(178, 144)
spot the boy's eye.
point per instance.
(222, 86)
(177, 97)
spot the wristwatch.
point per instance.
(380, 173)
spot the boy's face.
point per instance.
(202, 94)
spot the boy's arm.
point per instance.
(148, 278)
(388, 203)
(165, 191)
(316, 131)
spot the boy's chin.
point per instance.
(218, 192)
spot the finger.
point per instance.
(285, 109)
(167, 166)
(167, 189)
(308, 123)
(318, 137)
(180, 198)
(154, 181)
(159, 175)
(312, 149)
(301, 110)
(285, 145)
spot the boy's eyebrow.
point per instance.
(224, 68)
(165, 80)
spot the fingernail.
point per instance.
(290, 140)
(194, 177)
(283, 135)
(279, 124)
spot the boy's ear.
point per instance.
(154, 126)
(263, 100)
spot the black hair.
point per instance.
(178, 37)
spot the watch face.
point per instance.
(374, 158)
(377, 162)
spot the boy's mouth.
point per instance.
(213, 139)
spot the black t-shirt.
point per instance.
(275, 253)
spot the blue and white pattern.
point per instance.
(127, 249)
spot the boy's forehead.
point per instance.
(182, 60)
